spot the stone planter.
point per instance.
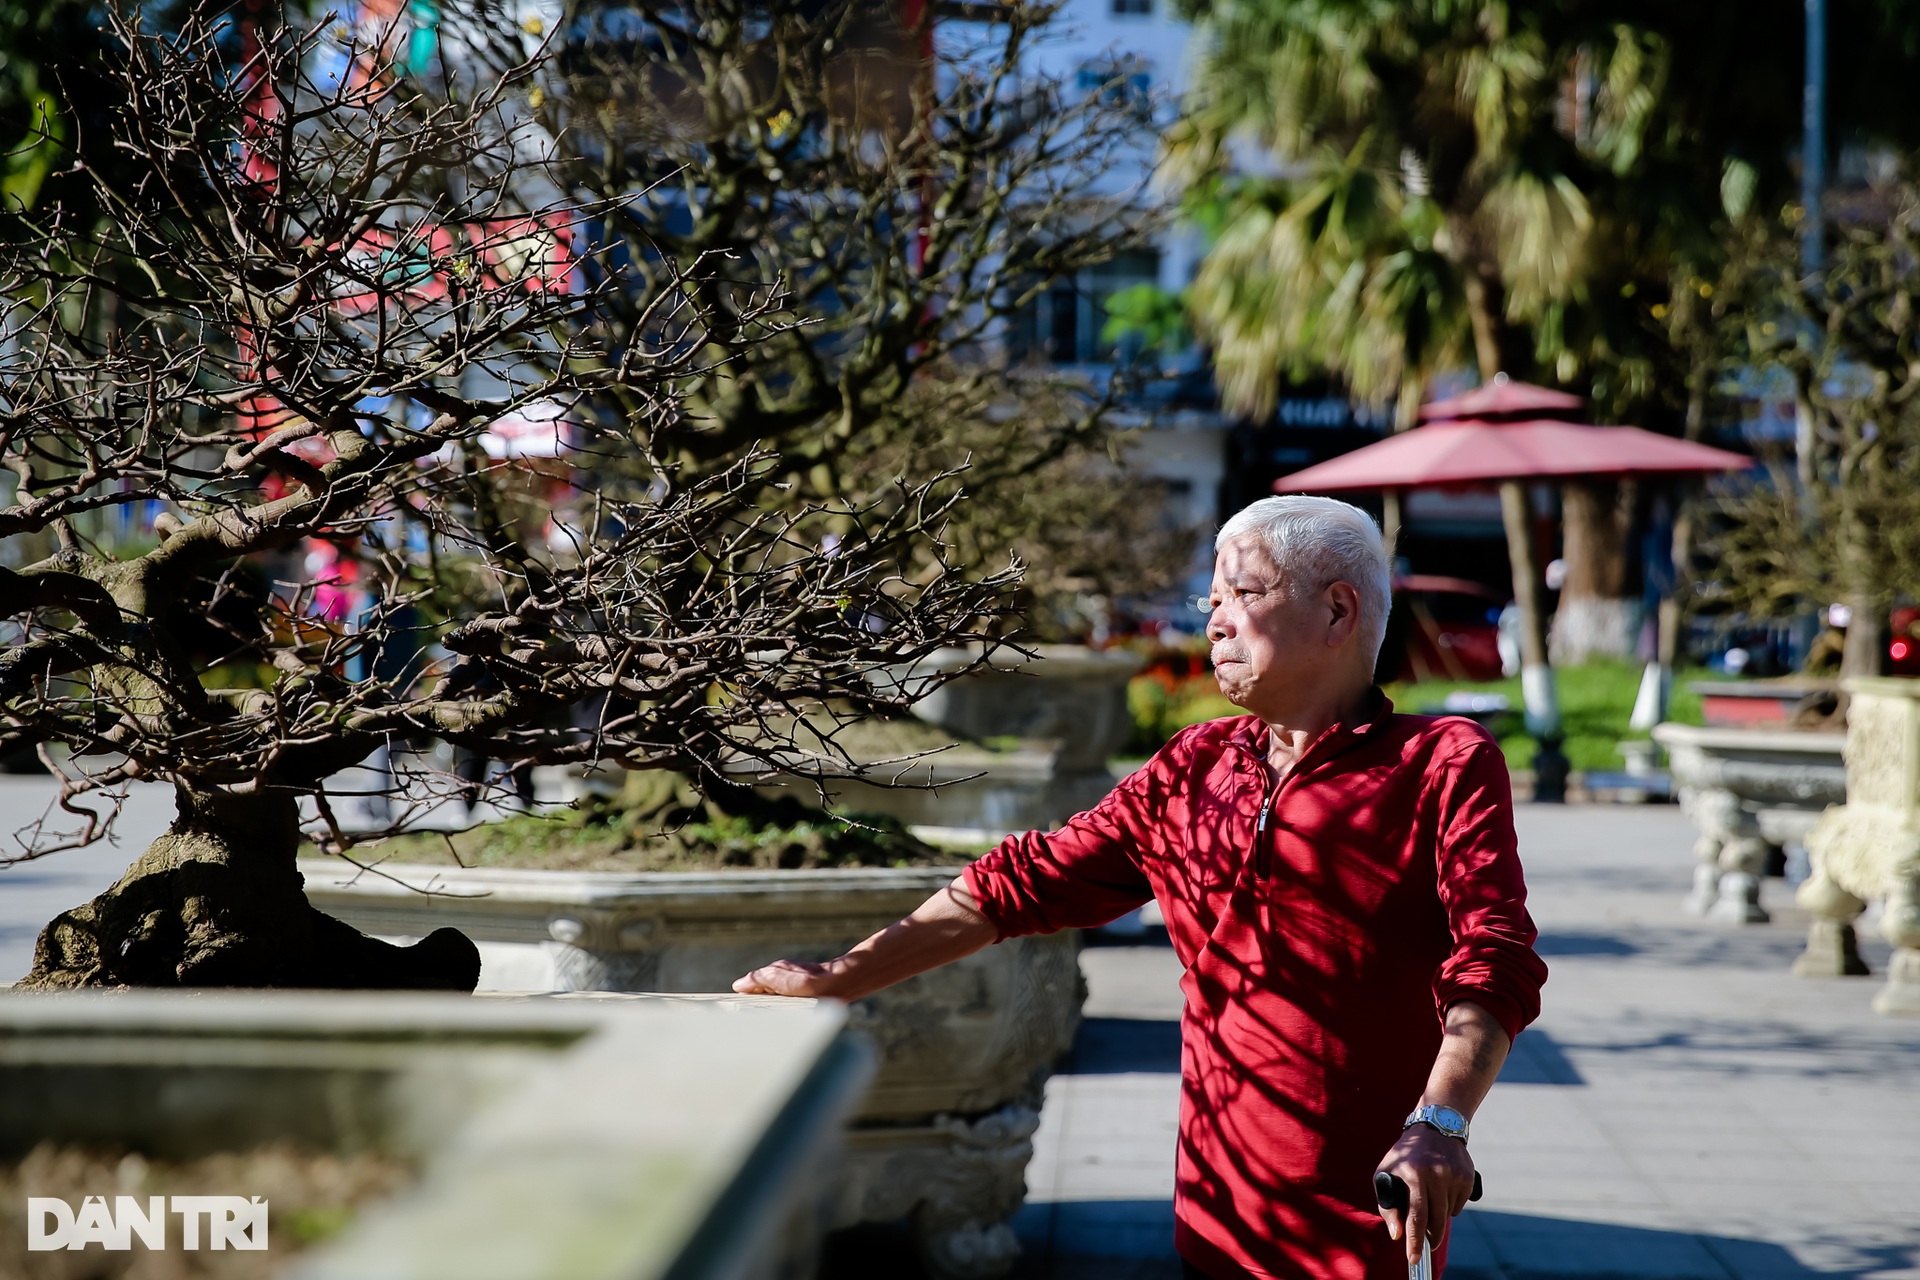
(1870, 846)
(1056, 719)
(557, 1139)
(1067, 694)
(944, 1133)
(966, 788)
(1750, 792)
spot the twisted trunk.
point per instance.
(216, 902)
(1863, 575)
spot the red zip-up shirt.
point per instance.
(1324, 926)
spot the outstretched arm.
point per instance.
(1436, 1168)
(944, 928)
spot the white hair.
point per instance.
(1317, 542)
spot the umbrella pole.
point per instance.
(1536, 673)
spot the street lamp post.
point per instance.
(1813, 140)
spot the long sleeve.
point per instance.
(1484, 892)
(1085, 874)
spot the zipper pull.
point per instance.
(1266, 807)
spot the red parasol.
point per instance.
(1504, 398)
(1507, 433)
(1475, 452)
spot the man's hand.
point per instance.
(1437, 1169)
(789, 978)
(945, 928)
(1439, 1177)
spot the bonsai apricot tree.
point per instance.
(330, 341)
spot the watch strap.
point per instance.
(1444, 1119)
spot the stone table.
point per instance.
(1749, 792)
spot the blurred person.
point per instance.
(510, 786)
(333, 576)
(1342, 887)
(394, 658)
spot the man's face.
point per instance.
(1275, 640)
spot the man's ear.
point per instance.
(1343, 603)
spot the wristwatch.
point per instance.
(1445, 1119)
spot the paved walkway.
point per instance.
(1684, 1108)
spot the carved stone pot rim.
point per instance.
(610, 888)
(1670, 735)
(1885, 686)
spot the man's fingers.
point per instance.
(1393, 1222)
(1416, 1220)
(767, 980)
(781, 978)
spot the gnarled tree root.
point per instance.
(216, 902)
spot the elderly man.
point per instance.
(1342, 888)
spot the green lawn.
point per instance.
(1595, 703)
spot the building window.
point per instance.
(1065, 324)
(1125, 81)
(1132, 8)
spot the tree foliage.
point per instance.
(913, 188)
(1539, 188)
(1837, 522)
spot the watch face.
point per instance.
(1447, 1119)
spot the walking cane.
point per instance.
(1391, 1192)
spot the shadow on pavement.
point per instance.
(1133, 1240)
(1511, 1246)
(1583, 943)
(1538, 1059)
(1110, 1046)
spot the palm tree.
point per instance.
(1547, 185)
(1432, 203)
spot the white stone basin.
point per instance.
(944, 1130)
(1749, 791)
